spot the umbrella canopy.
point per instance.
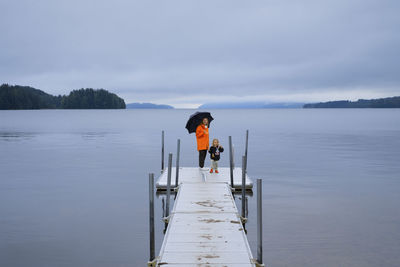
(196, 119)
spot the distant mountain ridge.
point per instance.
(250, 105)
(389, 102)
(147, 106)
(25, 97)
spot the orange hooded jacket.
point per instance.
(202, 138)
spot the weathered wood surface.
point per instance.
(204, 227)
(193, 174)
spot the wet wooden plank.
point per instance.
(195, 175)
(205, 227)
(208, 265)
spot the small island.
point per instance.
(25, 97)
(389, 102)
(251, 105)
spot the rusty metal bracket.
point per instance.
(257, 263)
(152, 263)
(166, 219)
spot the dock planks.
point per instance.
(204, 227)
(193, 174)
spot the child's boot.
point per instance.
(211, 171)
(216, 171)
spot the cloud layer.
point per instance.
(190, 52)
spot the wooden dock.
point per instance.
(193, 175)
(204, 228)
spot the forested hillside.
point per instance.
(389, 102)
(25, 97)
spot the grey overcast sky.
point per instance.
(186, 53)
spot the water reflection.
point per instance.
(87, 136)
(72, 184)
(16, 136)
(163, 195)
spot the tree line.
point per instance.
(389, 102)
(25, 97)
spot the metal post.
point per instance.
(168, 184)
(247, 146)
(162, 151)
(177, 162)
(247, 207)
(259, 222)
(231, 159)
(243, 188)
(151, 198)
(233, 156)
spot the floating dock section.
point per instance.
(204, 227)
(194, 175)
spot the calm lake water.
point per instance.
(73, 183)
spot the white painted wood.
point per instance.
(205, 227)
(209, 265)
(195, 175)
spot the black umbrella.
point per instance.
(196, 119)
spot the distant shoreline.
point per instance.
(17, 97)
(147, 106)
(388, 102)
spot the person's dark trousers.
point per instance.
(202, 157)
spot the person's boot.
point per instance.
(216, 171)
(211, 171)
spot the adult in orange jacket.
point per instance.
(202, 141)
